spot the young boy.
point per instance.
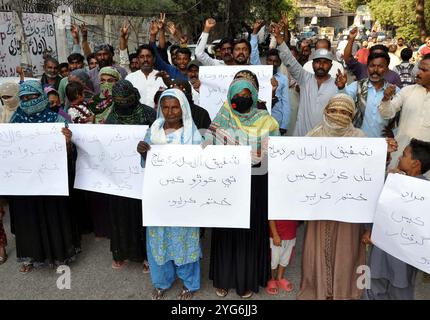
(391, 278)
(55, 104)
(78, 110)
(282, 242)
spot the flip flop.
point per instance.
(145, 267)
(118, 264)
(272, 287)
(3, 259)
(286, 285)
(220, 292)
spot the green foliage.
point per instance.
(351, 5)
(398, 13)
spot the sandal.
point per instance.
(26, 268)
(272, 287)
(220, 292)
(186, 294)
(145, 267)
(286, 285)
(158, 294)
(3, 259)
(118, 264)
(247, 295)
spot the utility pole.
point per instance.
(227, 18)
(25, 63)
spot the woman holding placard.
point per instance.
(240, 258)
(332, 250)
(173, 251)
(45, 228)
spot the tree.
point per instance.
(421, 22)
(408, 16)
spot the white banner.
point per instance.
(33, 159)
(215, 81)
(39, 30)
(107, 158)
(401, 225)
(325, 178)
(188, 186)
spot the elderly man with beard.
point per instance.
(315, 89)
(145, 80)
(414, 103)
(368, 93)
(50, 77)
(104, 55)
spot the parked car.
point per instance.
(381, 36)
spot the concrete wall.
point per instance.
(101, 29)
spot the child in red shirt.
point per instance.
(282, 242)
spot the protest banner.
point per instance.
(108, 161)
(325, 178)
(215, 81)
(401, 225)
(39, 31)
(188, 186)
(33, 159)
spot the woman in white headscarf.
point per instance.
(9, 96)
(333, 250)
(173, 250)
(10, 100)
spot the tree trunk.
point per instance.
(421, 22)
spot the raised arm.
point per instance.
(161, 34)
(200, 53)
(123, 47)
(160, 64)
(347, 53)
(75, 36)
(255, 54)
(287, 58)
(85, 45)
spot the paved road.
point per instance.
(93, 278)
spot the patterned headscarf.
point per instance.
(188, 134)
(35, 110)
(10, 105)
(110, 71)
(126, 108)
(106, 88)
(338, 124)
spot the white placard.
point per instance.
(215, 81)
(39, 30)
(33, 159)
(188, 186)
(107, 158)
(325, 178)
(401, 225)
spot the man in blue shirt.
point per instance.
(368, 94)
(280, 101)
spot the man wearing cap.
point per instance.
(324, 44)
(315, 89)
(104, 55)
